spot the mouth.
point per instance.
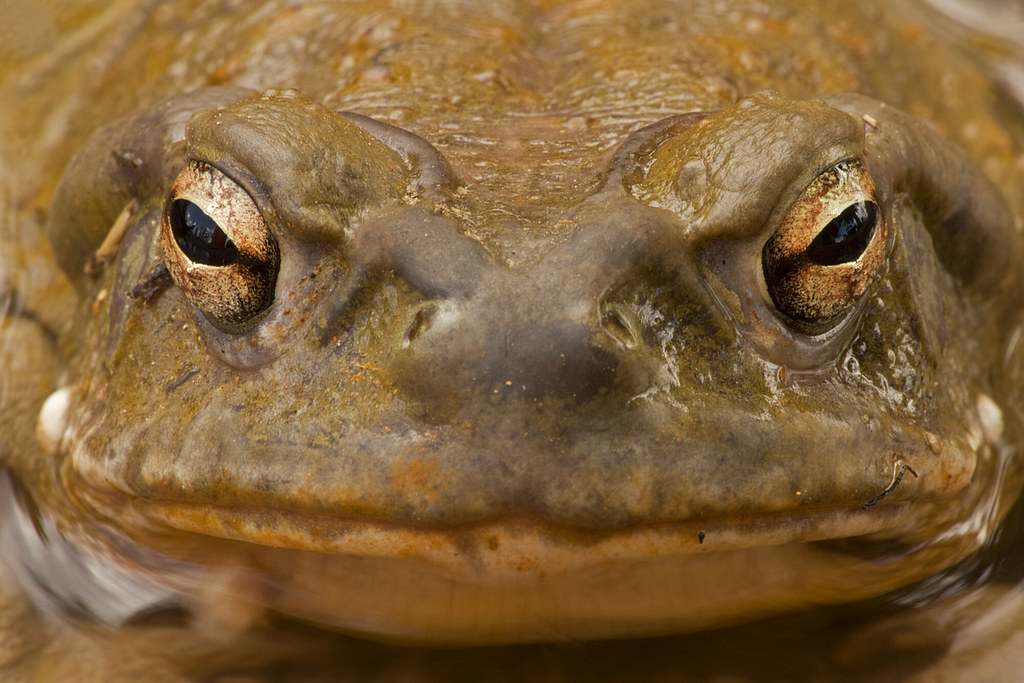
(521, 547)
(518, 579)
(431, 565)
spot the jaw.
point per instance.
(421, 543)
(520, 580)
(523, 577)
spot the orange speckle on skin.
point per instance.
(227, 71)
(416, 477)
(914, 32)
(857, 44)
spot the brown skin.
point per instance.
(521, 342)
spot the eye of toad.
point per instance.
(199, 236)
(846, 236)
(218, 247)
(828, 248)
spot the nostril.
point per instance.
(421, 322)
(619, 324)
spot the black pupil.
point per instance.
(199, 237)
(846, 236)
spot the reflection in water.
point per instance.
(965, 623)
(59, 578)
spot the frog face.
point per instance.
(319, 356)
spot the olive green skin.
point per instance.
(522, 376)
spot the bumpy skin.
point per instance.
(523, 375)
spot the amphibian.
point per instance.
(464, 325)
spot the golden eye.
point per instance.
(828, 249)
(218, 247)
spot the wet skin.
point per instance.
(453, 345)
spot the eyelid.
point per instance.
(810, 293)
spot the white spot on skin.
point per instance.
(991, 417)
(53, 420)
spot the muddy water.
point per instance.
(964, 624)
